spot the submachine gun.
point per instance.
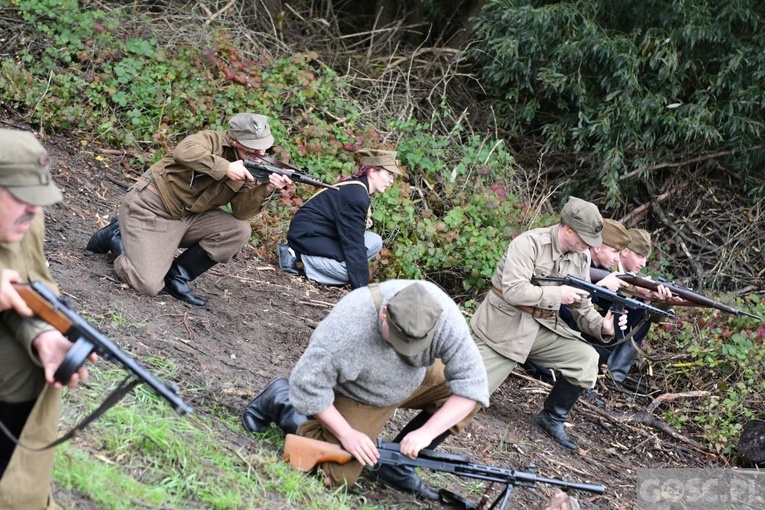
(261, 169)
(618, 301)
(87, 339)
(304, 453)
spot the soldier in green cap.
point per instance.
(399, 344)
(632, 259)
(519, 320)
(176, 204)
(30, 350)
(330, 232)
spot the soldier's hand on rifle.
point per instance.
(237, 172)
(276, 181)
(9, 298)
(361, 447)
(51, 347)
(608, 323)
(569, 295)
(612, 282)
(414, 442)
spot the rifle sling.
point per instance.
(628, 336)
(118, 394)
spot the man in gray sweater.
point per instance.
(399, 344)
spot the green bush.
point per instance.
(625, 86)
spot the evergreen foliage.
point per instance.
(627, 86)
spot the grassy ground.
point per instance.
(140, 454)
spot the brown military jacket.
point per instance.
(191, 179)
(21, 375)
(510, 331)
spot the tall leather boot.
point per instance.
(107, 239)
(557, 405)
(272, 406)
(189, 264)
(404, 478)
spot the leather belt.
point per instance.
(535, 312)
(149, 186)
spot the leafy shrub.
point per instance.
(627, 86)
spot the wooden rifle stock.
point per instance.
(304, 453)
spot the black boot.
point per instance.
(287, 261)
(557, 405)
(404, 478)
(189, 264)
(104, 240)
(272, 406)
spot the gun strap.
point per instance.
(374, 288)
(118, 394)
(628, 336)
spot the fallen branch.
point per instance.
(645, 417)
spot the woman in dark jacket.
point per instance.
(329, 232)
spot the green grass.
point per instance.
(141, 454)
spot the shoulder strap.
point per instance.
(344, 183)
(374, 288)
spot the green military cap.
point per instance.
(585, 219)
(24, 168)
(251, 130)
(640, 241)
(615, 235)
(412, 315)
(381, 158)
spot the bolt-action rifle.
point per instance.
(618, 301)
(261, 170)
(304, 453)
(688, 296)
(87, 339)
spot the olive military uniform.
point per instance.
(29, 407)
(177, 204)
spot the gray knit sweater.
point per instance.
(347, 353)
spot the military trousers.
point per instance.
(151, 237)
(575, 359)
(371, 420)
(26, 483)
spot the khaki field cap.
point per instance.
(615, 235)
(24, 169)
(378, 157)
(251, 130)
(640, 241)
(585, 219)
(412, 315)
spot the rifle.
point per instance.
(689, 297)
(304, 453)
(261, 171)
(618, 301)
(56, 312)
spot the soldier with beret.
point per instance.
(399, 344)
(329, 233)
(30, 349)
(177, 204)
(519, 320)
(633, 259)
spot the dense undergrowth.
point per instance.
(118, 77)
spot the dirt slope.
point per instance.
(259, 320)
